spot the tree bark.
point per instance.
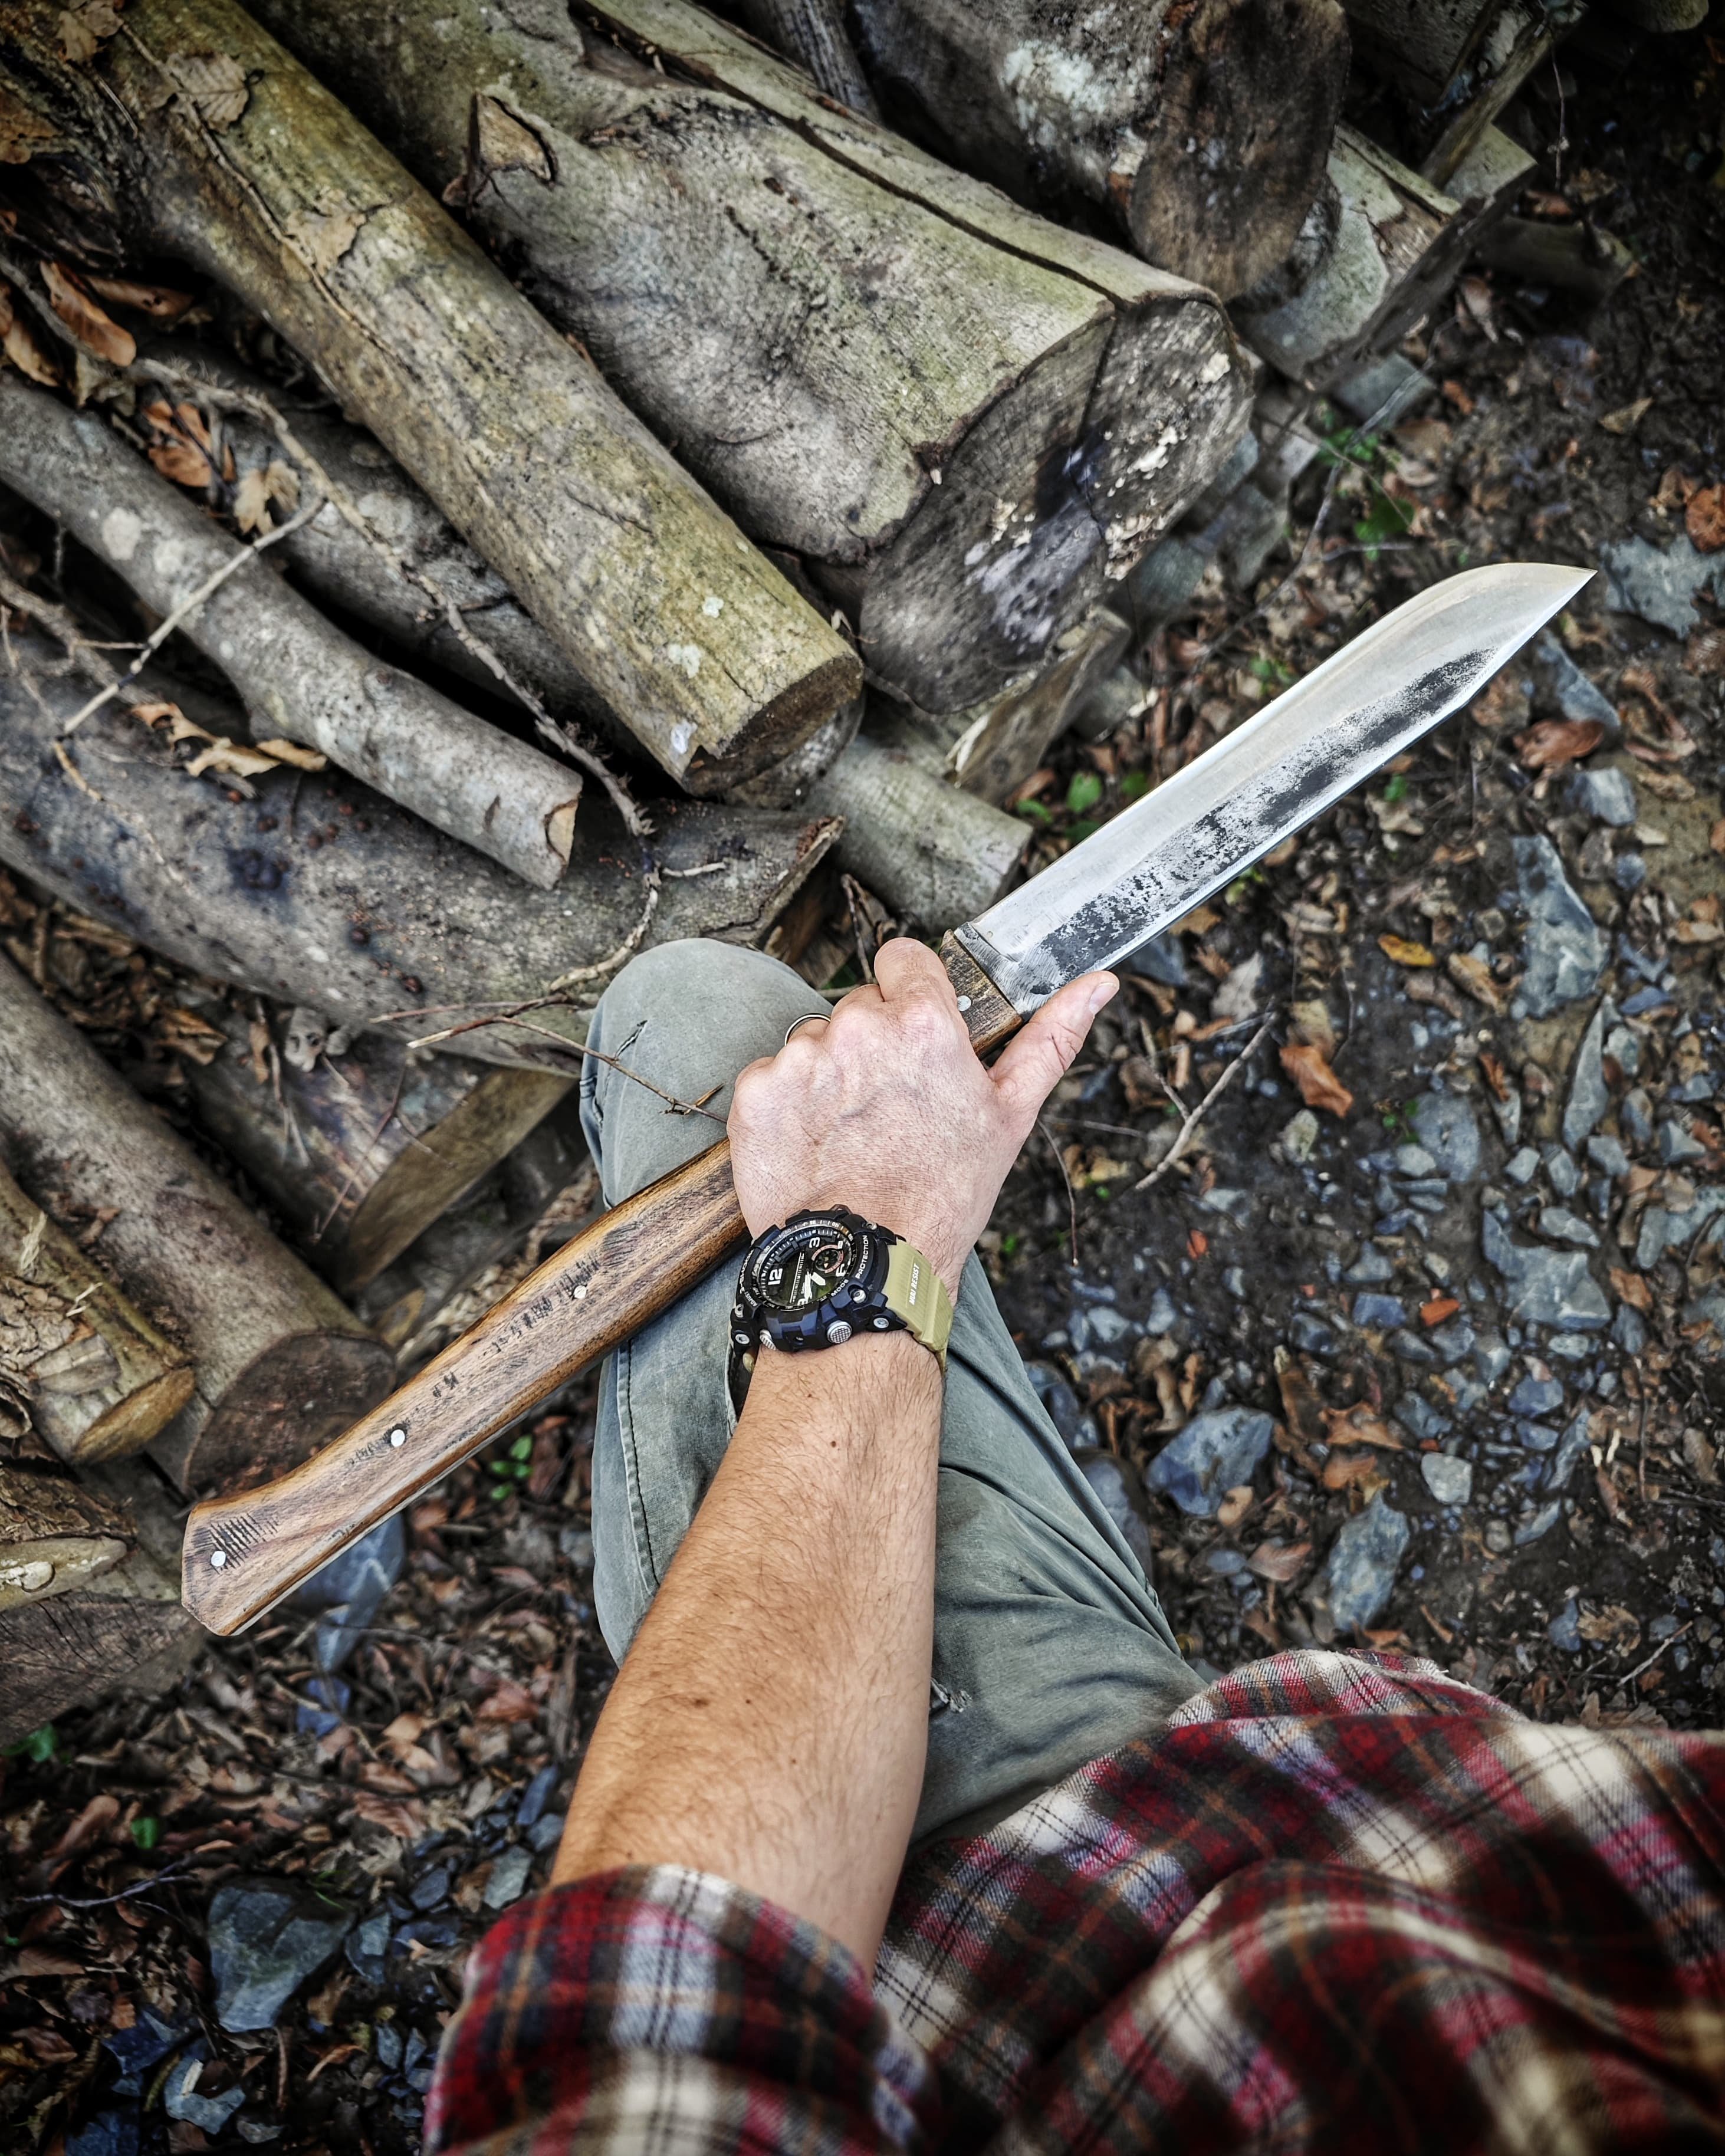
(298, 676)
(959, 442)
(281, 1366)
(937, 855)
(1201, 128)
(95, 1378)
(318, 891)
(812, 33)
(192, 131)
(1574, 256)
(54, 1536)
(364, 1150)
(124, 1629)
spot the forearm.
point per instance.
(770, 1723)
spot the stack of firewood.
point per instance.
(693, 457)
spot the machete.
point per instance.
(1141, 873)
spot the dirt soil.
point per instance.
(1428, 1367)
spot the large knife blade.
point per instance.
(1135, 877)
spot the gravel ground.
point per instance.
(1416, 1338)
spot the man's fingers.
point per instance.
(906, 970)
(1041, 1056)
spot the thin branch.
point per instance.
(514, 1018)
(187, 608)
(1072, 1196)
(1187, 1129)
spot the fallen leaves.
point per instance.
(1704, 519)
(211, 85)
(1474, 978)
(183, 449)
(1236, 1504)
(86, 322)
(1319, 1086)
(1552, 743)
(264, 487)
(1628, 417)
(83, 26)
(1614, 1627)
(21, 344)
(219, 754)
(1360, 1425)
(1280, 1562)
(1400, 951)
(159, 301)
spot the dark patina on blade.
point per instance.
(1267, 779)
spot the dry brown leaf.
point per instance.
(1437, 1309)
(1319, 1086)
(83, 27)
(26, 351)
(214, 84)
(1359, 1470)
(1280, 1562)
(1236, 1503)
(500, 142)
(1360, 1425)
(1667, 785)
(1555, 743)
(287, 752)
(1474, 977)
(375, 1775)
(1473, 303)
(1628, 417)
(1299, 1401)
(98, 332)
(1715, 837)
(1705, 653)
(1704, 519)
(1311, 1023)
(1401, 952)
(1697, 932)
(265, 486)
(510, 1702)
(1631, 1288)
(228, 757)
(1613, 1626)
(160, 301)
(405, 1817)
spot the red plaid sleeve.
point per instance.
(662, 2009)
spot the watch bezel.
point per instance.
(855, 1303)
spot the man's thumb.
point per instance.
(1035, 1062)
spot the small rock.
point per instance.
(1421, 1419)
(1369, 1268)
(1411, 1347)
(1590, 1096)
(1523, 1166)
(1309, 1334)
(1235, 1205)
(1450, 1480)
(1570, 1448)
(1298, 1138)
(113, 2130)
(1564, 684)
(210, 2113)
(1628, 1331)
(1675, 1144)
(535, 1797)
(576, 1545)
(1057, 1396)
(1414, 1160)
(1378, 1310)
(1162, 1316)
(1535, 1396)
(1497, 1537)
(368, 1947)
(508, 1878)
(1607, 795)
(1564, 951)
(1538, 1523)
(1491, 1357)
(1163, 959)
(1444, 1124)
(1564, 1630)
(1117, 1483)
(1508, 1113)
(350, 1588)
(1536, 1436)
(1547, 1286)
(1564, 1226)
(388, 2045)
(265, 1938)
(433, 1891)
(545, 1833)
(1360, 1574)
(1636, 1115)
(1607, 1153)
(1565, 1175)
(1217, 1451)
(1109, 1327)
(1628, 871)
(1226, 1563)
(145, 2044)
(1241, 994)
(1452, 1340)
(1661, 584)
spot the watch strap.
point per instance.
(916, 1292)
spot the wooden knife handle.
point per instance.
(243, 1554)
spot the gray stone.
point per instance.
(1661, 584)
(1378, 1310)
(1628, 871)
(1369, 1269)
(1536, 1436)
(1623, 1045)
(265, 1938)
(1564, 1226)
(1491, 1357)
(1163, 959)
(1414, 1160)
(1564, 1630)
(1570, 1448)
(1360, 1570)
(112, 2131)
(1057, 1396)
(1560, 1167)
(1214, 1453)
(367, 1945)
(1676, 1145)
(1162, 1316)
(1298, 1138)
(1707, 1309)
(1115, 1482)
(1523, 1166)
(1572, 1347)
(1628, 1330)
(210, 2113)
(1607, 795)
(1309, 1334)
(1110, 1326)
(1447, 1131)
(1497, 1537)
(1508, 1113)
(1450, 1480)
(1607, 1152)
(1547, 1286)
(1590, 1096)
(1452, 1340)
(1636, 1114)
(1564, 951)
(348, 1590)
(1421, 1419)
(1409, 1347)
(1535, 1396)
(1235, 1205)
(1563, 684)
(1227, 1564)
(1539, 1523)
(576, 1544)
(507, 1879)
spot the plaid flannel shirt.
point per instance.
(1336, 1902)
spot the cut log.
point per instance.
(298, 677)
(193, 132)
(95, 1379)
(364, 1149)
(937, 855)
(281, 1366)
(55, 1535)
(124, 1629)
(318, 891)
(959, 441)
(1202, 127)
(1572, 256)
(1455, 63)
(812, 33)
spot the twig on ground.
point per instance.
(1183, 1136)
(1072, 1196)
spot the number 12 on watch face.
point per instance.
(804, 1265)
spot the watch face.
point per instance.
(805, 1262)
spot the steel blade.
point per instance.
(1267, 779)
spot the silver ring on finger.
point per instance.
(809, 1017)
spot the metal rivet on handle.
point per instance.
(964, 1002)
(398, 1438)
(218, 1558)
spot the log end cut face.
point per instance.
(293, 1400)
(1234, 151)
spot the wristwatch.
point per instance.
(823, 1278)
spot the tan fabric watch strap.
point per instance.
(916, 1292)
